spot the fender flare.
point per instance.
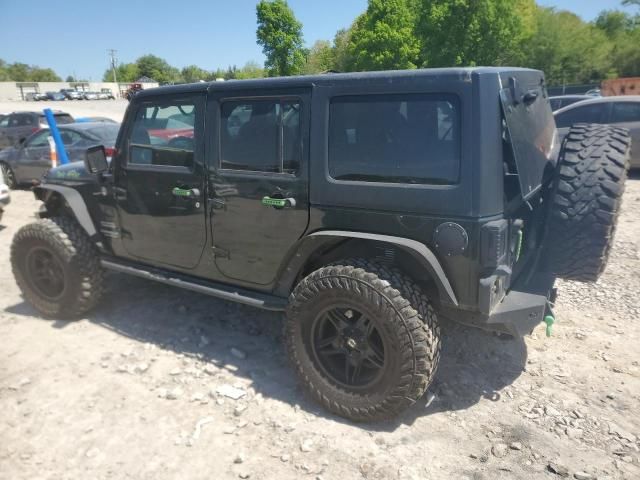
(420, 252)
(75, 202)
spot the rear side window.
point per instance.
(163, 135)
(413, 139)
(21, 120)
(61, 119)
(624, 112)
(593, 113)
(261, 135)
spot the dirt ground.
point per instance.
(113, 109)
(142, 389)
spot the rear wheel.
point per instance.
(57, 267)
(9, 176)
(584, 208)
(363, 339)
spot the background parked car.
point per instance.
(27, 162)
(4, 195)
(35, 97)
(108, 93)
(90, 95)
(56, 96)
(562, 101)
(623, 111)
(19, 125)
(71, 94)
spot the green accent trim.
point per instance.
(549, 320)
(181, 192)
(274, 202)
(519, 245)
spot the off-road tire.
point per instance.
(83, 275)
(593, 166)
(405, 314)
(9, 176)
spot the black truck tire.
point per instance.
(57, 267)
(373, 317)
(585, 203)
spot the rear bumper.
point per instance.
(520, 311)
(525, 306)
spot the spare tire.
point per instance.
(585, 201)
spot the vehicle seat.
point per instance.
(140, 155)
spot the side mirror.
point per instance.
(95, 160)
(22, 140)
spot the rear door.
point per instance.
(258, 186)
(627, 115)
(531, 128)
(159, 181)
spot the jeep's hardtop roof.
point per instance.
(446, 74)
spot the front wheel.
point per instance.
(9, 176)
(363, 339)
(57, 267)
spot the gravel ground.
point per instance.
(113, 109)
(159, 383)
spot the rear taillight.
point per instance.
(109, 152)
(35, 129)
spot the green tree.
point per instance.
(19, 72)
(43, 75)
(473, 32)
(280, 35)
(383, 37)
(341, 56)
(193, 73)
(567, 49)
(614, 22)
(320, 57)
(125, 73)
(250, 70)
(157, 69)
(623, 31)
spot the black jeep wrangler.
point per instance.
(367, 206)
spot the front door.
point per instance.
(34, 157)
(159, 181)
(258, 189)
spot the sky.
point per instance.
(207, 33)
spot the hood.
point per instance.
(71, 172)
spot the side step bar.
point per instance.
(224, 292)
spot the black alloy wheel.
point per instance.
(348, 347)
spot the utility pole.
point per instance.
(112, 54)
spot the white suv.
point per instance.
(4, 195)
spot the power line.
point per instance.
(114, 60)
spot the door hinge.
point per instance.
(219, 252)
